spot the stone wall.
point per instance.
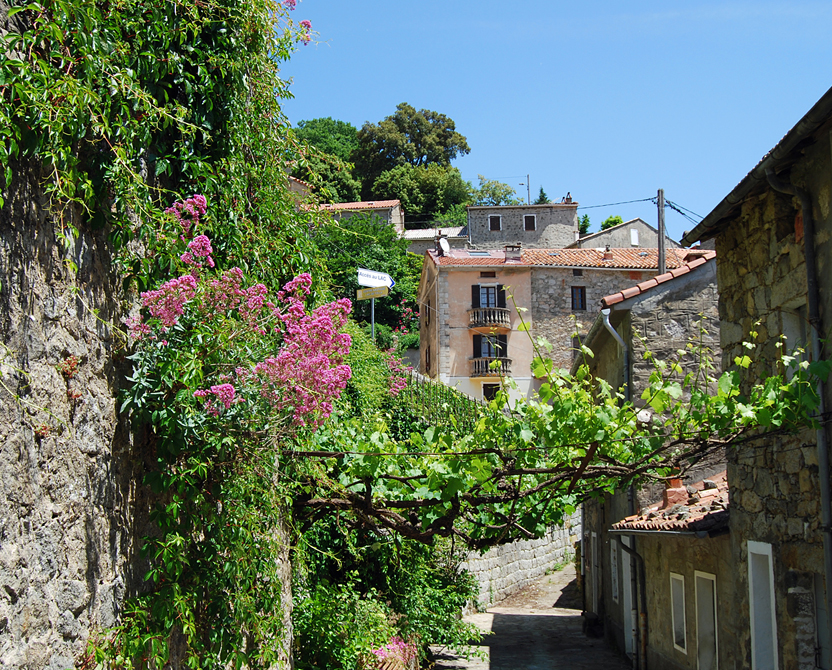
(556, 226)
(774, 482)
(70, 511)
(506, 569)
(551, 309)
(619, 237)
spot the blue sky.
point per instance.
(609, 100)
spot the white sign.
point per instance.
(370, 278)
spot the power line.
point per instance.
(612, 204)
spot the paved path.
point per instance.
(538, 628)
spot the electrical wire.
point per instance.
(612, 204)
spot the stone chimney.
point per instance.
(607, 253)
(513, 253)
(674, 493)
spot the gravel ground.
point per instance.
(538, 628)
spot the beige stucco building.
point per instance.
(474, 301)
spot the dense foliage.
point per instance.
(611, 221)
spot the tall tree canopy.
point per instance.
(426, 192)
(583, 225)
(416, 137)
(611, 221)
(334, 137)
(495, 193)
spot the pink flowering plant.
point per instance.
(227, 376)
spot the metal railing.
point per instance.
(483, 317)
(436, 403)
(481, 367)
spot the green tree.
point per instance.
(495, 193)
(409, 136)
(611, 221)
(329, 175)
(583, 225)
(368, 242)
(334, 137)
(426, 192)
(542, 198)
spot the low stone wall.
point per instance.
(506, 569)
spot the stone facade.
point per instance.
(71, 510)
(774, 481)
(552, 315)
(506, 569)
(621, 236)
(556, 226)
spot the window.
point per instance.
(480, 254)
(634, 237)
(578, 298)
(490, 346)
(427, 358)
(614, 569)
(761, 604)
(494, 222)
(488, 275)
(530, 222)
(706, 630)
(577, 272)
(677, 611)
(427, 313)
(487, 295)
(490, 391)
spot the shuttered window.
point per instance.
(490, 346)
(494, 222)
(488, 296)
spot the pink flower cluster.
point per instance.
(307, 28)
(398, 649)
(224, 393)
(309, 372)
(290, 4)
(188, 212)
(398, 375)
(227, 293)
(199, 252)
(167, 303)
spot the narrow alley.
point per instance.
(538, 628)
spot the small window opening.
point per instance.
(578, 298)
(529, 222)
(494, 223)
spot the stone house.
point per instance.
(469, 302)
(661, 314)
(773, 237)
(389, 211)
(633, 233)
(532, 226)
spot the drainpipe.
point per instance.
(606, 314)
(640, 632)
(642, 622)
(815, 322)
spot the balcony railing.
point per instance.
(481, 367)
(489, 317)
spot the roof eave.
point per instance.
(778, 157)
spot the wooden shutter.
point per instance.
(477, 346)
(501, 296)
(502, 346)
(475, 296)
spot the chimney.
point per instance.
(674, 493)
(513, 253)
(607, 253)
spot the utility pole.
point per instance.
(662, 262)
(528, 186)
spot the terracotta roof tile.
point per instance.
(700, 258)
(706, 510)
(621, 259)
(370, 204)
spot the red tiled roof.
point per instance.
(370, 204)
(700, 258)
(706, 510)
(619, 259)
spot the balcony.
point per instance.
(481, 367)
(497, 318)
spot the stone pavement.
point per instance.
(538, 628)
